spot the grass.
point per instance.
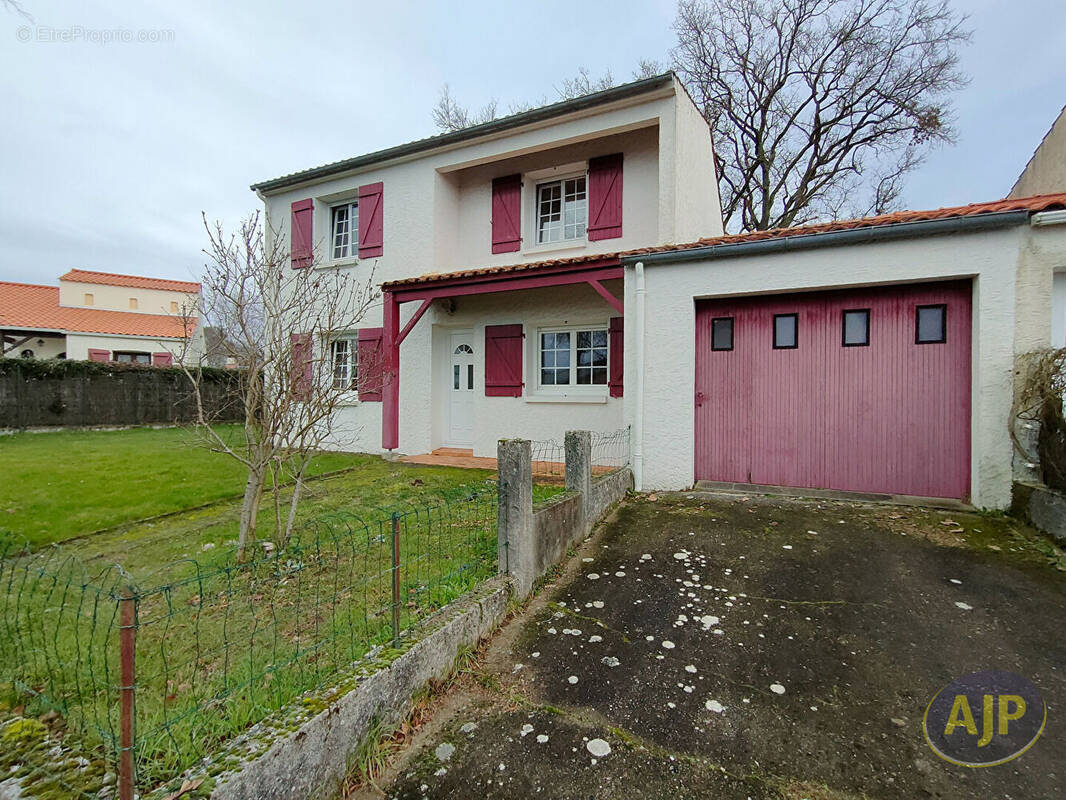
(69, 483)
(219, 646)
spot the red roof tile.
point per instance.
(25, 306)
(134, 281)
(1031, 204)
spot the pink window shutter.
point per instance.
(503, 361)
(507, 214)
(302, 245)
(370, 364)
(302, 374)
(605, 197)
(371, 223)
(616, 337)
(162, 359)
(99, 355)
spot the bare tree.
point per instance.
(449, 115)
(279, 323)
(18, 8)
(818, 107)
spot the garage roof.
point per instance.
(1021, 204)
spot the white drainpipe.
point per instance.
(638, 421)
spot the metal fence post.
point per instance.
(127, 690)
(395, 579)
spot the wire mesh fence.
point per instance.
(107, 683)
(610, 451)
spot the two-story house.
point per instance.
(102, 316)
(538, 205)
(566, 268)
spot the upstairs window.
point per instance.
(344, 354)
(133, 304)
(345, 228)
(562, 210)
(88, 299)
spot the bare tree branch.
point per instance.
(819, 108)
(277, 323)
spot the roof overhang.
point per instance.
(488, 281)
(832, 238)
(487, 129)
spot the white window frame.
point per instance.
(352, 252)
(352, 342)
(544, 181)
(572, 388)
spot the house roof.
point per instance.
(1025, 204)
(611, 95)
(133, 281)
(29, 307)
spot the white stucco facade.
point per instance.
(1012, 271)
(437, 212)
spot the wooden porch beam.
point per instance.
(422, 309)
(504, 284)
(610, 298)
(18, 343)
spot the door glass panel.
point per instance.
(856, 328)
(722, 333)
(930, 324)
(455, 376)
(785, 331)
(469, 376)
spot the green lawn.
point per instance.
(59, 485)
(219, 645)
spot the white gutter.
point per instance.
(638, 421)
(1048, 218)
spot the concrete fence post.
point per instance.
(578, 449)
(514, 464)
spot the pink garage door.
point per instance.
(865, 390)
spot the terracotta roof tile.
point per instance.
(26, 306)
(1031, 204)
(134, 281)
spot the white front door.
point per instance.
(461, 390)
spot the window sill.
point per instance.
(348, 402)
(600, 399)
(338, 263)
(573, 244)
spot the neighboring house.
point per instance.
(1046, 173)
(101, 316)
(566, 268)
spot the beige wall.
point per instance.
(117, 298)
(1046, 171)
(79, 344)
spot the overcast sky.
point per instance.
(110, 150)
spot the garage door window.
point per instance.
(930, 324)
(786, 334)
(722, 333)
(856, 327)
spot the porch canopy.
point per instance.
(427, 288)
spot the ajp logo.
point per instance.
(984, 719)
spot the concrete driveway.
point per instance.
(755, 648)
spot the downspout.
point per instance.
(638, 421)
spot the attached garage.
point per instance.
(862, 390)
